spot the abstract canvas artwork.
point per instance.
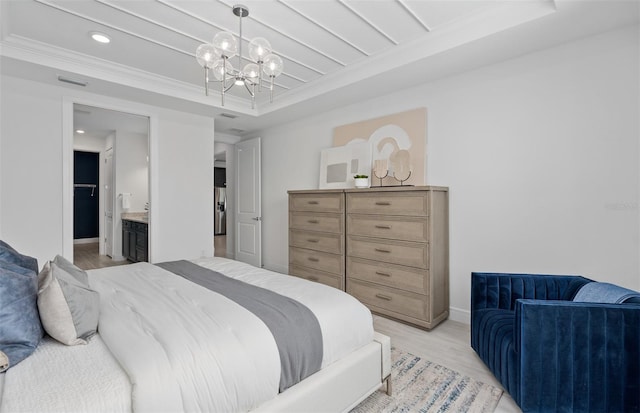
(397, 143)
(338, 165)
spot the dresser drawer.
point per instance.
(319, 241)
(396, 276)
(412, 254)
(402, 228)
(331, 280)
(315, 221)
(317, 202)
(317, 260)
(389, 301)
(389, 203)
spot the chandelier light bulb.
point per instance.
(259, 48)
(219, 68)
(206, 55)
(251, 71)
(225, 44)
(272, 65)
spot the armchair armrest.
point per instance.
(501, 290)
(577, 356)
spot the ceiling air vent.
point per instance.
(228, 115)
(72, 81)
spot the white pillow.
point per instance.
(69, 309)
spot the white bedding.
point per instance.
(186, 348)
(178, 346)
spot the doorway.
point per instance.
(220, 206)
(120, 141)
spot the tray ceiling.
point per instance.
(326, 45)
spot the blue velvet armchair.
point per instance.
(552, 354)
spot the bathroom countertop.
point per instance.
(142, 217)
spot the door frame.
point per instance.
(67, 163)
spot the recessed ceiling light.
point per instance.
(80, 131)
(100, 37)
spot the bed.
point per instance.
(168, 342)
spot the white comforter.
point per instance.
(186, 348)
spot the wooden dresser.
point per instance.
(398, 252)
(397, 247)
(316, 236)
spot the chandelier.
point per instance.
(215, 58)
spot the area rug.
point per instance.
(422, 386)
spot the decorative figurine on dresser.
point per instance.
(386, 246)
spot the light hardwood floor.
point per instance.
(448, 345)
(86, 256)
(220, 246)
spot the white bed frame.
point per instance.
(340, 386)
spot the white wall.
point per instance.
(541, 155)
(185, 171)
(31, 174)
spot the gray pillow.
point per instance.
(69, 309)
(20, 329)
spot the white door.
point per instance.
(248, 202)
(108, 203)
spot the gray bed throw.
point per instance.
(295, 328)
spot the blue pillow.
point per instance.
(7, 253)
(20, 328)
(598, 292)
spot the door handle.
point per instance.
(381, 250)
(383, 297)
(257, 218)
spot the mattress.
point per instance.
(166, 344)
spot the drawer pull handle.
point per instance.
(384, 274)
(313, 240)
(381, 250)
(312, 278)
(383, 226)
(383, 203)
(313, 202)
(313, 221)
(313, 259)
(383, 297)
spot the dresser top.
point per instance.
(372, 189)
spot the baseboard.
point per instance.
(460, 315)
(86, 240)
(276, 268)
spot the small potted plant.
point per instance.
(361, 181)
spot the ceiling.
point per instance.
(334, 51)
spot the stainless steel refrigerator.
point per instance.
(220, 211)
